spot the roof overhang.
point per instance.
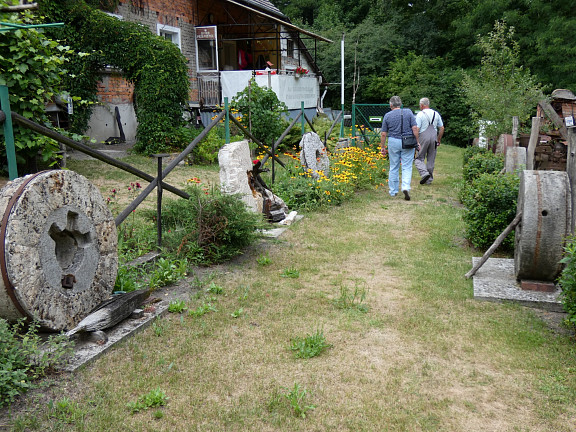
(278, 20)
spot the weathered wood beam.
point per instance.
(284, 134)
(256, 141)
(91, 152)
(495, 245)
(552, 115)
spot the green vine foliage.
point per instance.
(31, 66)
(155, 66)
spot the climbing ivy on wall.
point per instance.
(155, 66)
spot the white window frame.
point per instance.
(214, 41)
(166, 29)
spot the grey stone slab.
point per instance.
(496, 281)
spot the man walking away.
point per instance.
(431, 129)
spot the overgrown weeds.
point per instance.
(209, 227)
(309, 346)
(25, 357)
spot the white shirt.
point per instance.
(424, 117)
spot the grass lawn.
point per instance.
(378, 284)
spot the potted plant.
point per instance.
(300, 71)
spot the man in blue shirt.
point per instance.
(396, 123)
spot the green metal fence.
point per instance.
(367, 122)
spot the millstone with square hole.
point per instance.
(58, 249)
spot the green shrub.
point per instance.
(567, 281)
(480, 163)
(209, 227)
(24, 357)
(470, 152)
(32, 66)
(490, 202)
(206, 152)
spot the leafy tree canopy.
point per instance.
(501, 88)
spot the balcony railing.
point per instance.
(290, 88)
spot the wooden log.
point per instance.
(99, 155)
(495, 245)
(111, 312)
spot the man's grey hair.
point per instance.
(425, 101)
(395, 102)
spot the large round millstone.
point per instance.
(545, 202)
(58, 249)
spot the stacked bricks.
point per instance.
(114, 89)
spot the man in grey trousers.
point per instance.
(431, 129)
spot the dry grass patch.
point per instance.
(423, 356)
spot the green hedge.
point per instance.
(490, 198)
(480, 161)
(567, 281)
(490, 201)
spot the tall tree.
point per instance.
(501, 88)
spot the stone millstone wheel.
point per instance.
(58, 249)
(313, 155)
(545, 202)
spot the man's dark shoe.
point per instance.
(406, 195)
(425, 179)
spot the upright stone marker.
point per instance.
(235, 163)
(515, 160)
(313, 155)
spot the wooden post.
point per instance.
(159, 158)
(571, 170)
(515, 122)
(8, 133)
(534, 136)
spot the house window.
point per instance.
(169, 33)
(206, 52)
(290, 48)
